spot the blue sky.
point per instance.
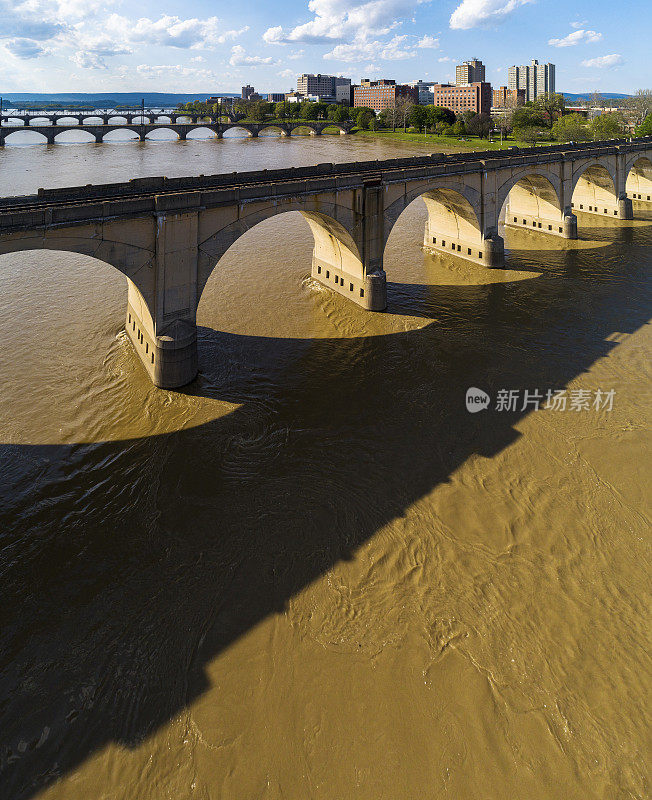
(197, 45)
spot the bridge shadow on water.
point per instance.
(130, 565)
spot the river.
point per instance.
(312, 573)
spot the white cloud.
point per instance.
(296, 55)
(239, 58)
(580, 36)
(229, 36)
(613, 60)
(25, 48)
(428, 41)
(578, 24)
(443, 58)
(167, 31)
(287, 73)
(473, 13)
(396, 49)
(345, 20)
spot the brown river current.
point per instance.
(312, 573)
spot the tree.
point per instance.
(338, 113)
(260, 110)
(364, 118)
(529, 134)
(310, 110)
(418, 117)
(528, 116)
(607, 126)
(459, 128)
(479, 125)
(551, 106)
(467, 116)
(504, 122)
(404, 106)
(439, 114)
(645, 128)
(640, 104)
(571, 128)
(280, 110)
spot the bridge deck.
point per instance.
(389, 170)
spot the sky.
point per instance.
(204, 46)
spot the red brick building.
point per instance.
(474, 97)
(508, 98)
(381, 94)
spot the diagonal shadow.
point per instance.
(127, 566)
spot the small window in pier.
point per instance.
(328, 274)
(534, 223)
(469, 251)
(615, 213)
(524, 222)
(351, 287)
(134, 326)
(361, 292)
(147, 347)
(129, 317)
(515, 220)
(560, 230)
(318, 270)
(453, 246)
(539, 224)
(581, 205)
(648, 197)
(443, 243)
(434, 241)
(549, 227)
(459, 247)
(152, 356)
(480, 255)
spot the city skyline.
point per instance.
(59, 45)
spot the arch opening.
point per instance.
(236, 132)
(117, 119)
(533, 203)
(74, 137)
(201, 132)
(67, 121)
(120, 136)
(162, 134)
(639, 180)
(20, 137)
(594, 192)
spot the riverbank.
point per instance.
(451, 144)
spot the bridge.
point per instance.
(167, 235)
(142, 129)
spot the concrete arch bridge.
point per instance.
(142, 130)
(167, 235)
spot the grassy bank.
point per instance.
(450, 144)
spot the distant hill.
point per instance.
(588, 95)
(107, 99)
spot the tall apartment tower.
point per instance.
(534, 78)
(247, 91)
(469, 72)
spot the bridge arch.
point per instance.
(67, 121)
(337, 250)
(42, 138)
(117, 119)
(276, 127)
(63, 137)
(160, 129)
(202, 129)
(297, 126)
(236, 127)
(92, 119)
(594, 189)
(639, 178)
(108, 130)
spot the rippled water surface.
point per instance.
(311, 573)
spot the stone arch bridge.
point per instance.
(167, 235)
(142, 130)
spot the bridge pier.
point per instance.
(489, 251)
(565, 227)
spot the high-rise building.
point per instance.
(276, 97)
(507, 98)
(328, 88)
(425, 91)
(475, 97)
(469, 72)
(247, 91)
(381, 94)
(534, 78)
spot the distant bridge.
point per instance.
(142, 129)
(167, 235)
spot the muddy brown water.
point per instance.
(312, 573)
